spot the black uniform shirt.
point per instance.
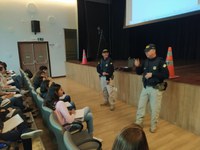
(105, 65)
(157, 67)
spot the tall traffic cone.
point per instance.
(84, 58)
(170, 64)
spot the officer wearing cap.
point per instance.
(105, 69)
(154, 71)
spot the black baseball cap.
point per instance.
(105, 51)
(149, 47)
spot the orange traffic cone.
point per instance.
(84, 58)
(170, 64)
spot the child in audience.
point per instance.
(14, 102)
(5, 88)
(22, 132)
(131, 138)
(44, 87)
(63, 114)
(18, 82)
(38, 78)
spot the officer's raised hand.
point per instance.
(137, 62)
(105, 74)
(148, 75)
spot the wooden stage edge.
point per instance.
(180, 104)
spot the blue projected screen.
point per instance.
(139, 12)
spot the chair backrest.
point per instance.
(40, 101)
(68, 142)
(81, 141)
(30, 86)
(34, 96)
(58, 131)
(21, 72)
(46, 112)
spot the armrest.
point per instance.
(92, 141)
(80, 125)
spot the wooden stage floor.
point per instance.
(188, 72)
(107, 124)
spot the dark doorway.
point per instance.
(71, 44)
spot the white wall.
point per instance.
(15, 26)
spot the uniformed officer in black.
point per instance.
(154, 70)
(105, 69)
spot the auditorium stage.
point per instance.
(180, 105)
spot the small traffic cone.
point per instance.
(84, 58)
(170, 64)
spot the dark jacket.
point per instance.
(157, 67)
(106, 65)
(3, 118)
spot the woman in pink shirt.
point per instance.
(63, 114)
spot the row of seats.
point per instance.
(79, 140)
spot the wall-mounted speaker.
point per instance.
(35, 26)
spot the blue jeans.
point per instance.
(89, 119)
(18, 81)
(18, 102)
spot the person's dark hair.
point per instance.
(4, 65)
(44, 86)
(52, 95)
(131, 138)
(43, 68)
(1, 68)
(28, 73)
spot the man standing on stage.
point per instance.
(154, 70)
(105, 69)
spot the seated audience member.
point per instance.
(131, 138)
(15, 102)
(44, 87)
(18, 82)
(4, 94)
(21, 132)
(63, 114)
(38, 78)
(43, 68)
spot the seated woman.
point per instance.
(22, 132)
(131, 138)
(44, 87)
(18, 81)
(63, 114)
(14, 101)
